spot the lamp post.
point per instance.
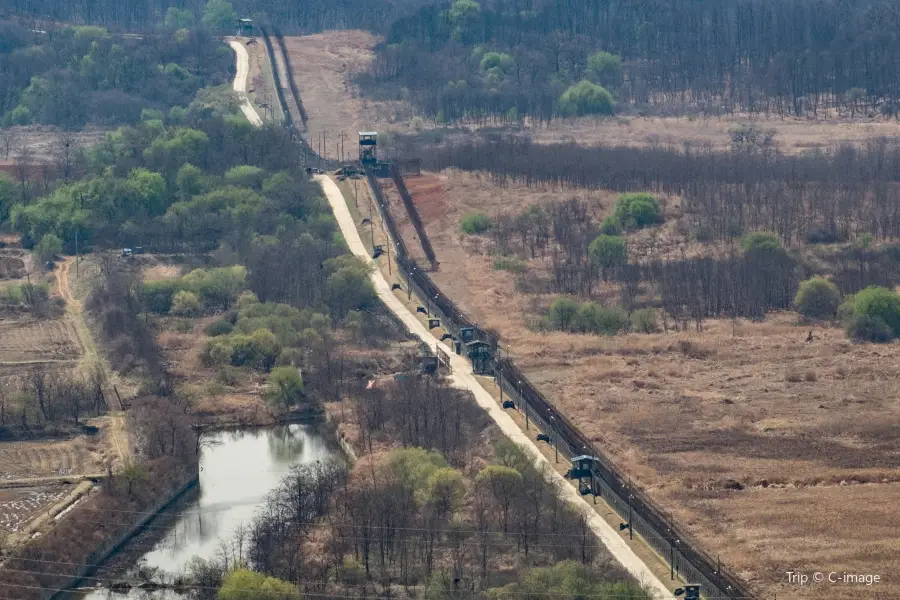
(553, 433)
(672, 545)
(408, 288)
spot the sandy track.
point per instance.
(462, 377)
(240, 81)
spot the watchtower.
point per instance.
(481, 354)
(583, 470)
(245, 27)
(368, 143)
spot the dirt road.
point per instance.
(240, 81)
(462, 377)
(75, 316)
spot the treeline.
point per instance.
(801, 57)
(77, 75)
(812, 198)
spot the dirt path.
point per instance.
(462, 377)
(91, 359)
(240, 81)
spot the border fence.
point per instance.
(279, 90)
(414, 216)
(644, 516)
(295, 92)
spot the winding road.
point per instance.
(462, 377)
(240, 81)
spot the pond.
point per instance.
(237, 472)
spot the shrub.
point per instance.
(868, 328)
(186, 304)
(507, 263)
(562, 313)
(48, 248)
(874, 315)
(474, 223)
(585, 98)
(817, 298)
(156, 296)
(637, 210)
(610, 226)
(760, 240)
(285, 387)
(608, 252)
(219, 327)
(644, 321)
(596, 318)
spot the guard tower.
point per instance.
(368, 142)
(481, 354)
(245, 27)
(582, 470)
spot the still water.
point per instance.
(236, 475)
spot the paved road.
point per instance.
(462, 377)
(240, 81)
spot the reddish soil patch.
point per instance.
(427, 192)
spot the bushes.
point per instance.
(474, 223)
(817, 298)
(608, 252)
(567, 315)
(585, 98)
(635, 211)
(186, 304)
(214, 289)
(872, 315)
(285, 387)
(644, 321)
(217, 328)
(760, 240)
(258, 350)
(507, 263)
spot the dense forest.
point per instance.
(78, 75)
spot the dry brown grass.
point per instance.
(798, 425)
(331, 99)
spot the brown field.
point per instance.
(31, 340)
(18, 506)
(737, 430)
(331, 99)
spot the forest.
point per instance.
(507, 59)
(73, 76)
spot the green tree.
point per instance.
(190, 182)
(48, 248)
(817, 298)
(219, 15)
(349, 287)
(186, 304)
(285, 386)
(473, 223)
(596, 318)
(567, 580)
(246, 176)
(605, 69)
(243, 584)
(585, 98)
(178, 18)
(760, 241)
(637, 210)
(608, 252)
(562, 313)
(503, 484)
(464, 17)
(219, 287)
(874, 315)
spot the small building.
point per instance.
(368, 145)
(481, 354)
(245, 27)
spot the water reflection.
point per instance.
(236, 475)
